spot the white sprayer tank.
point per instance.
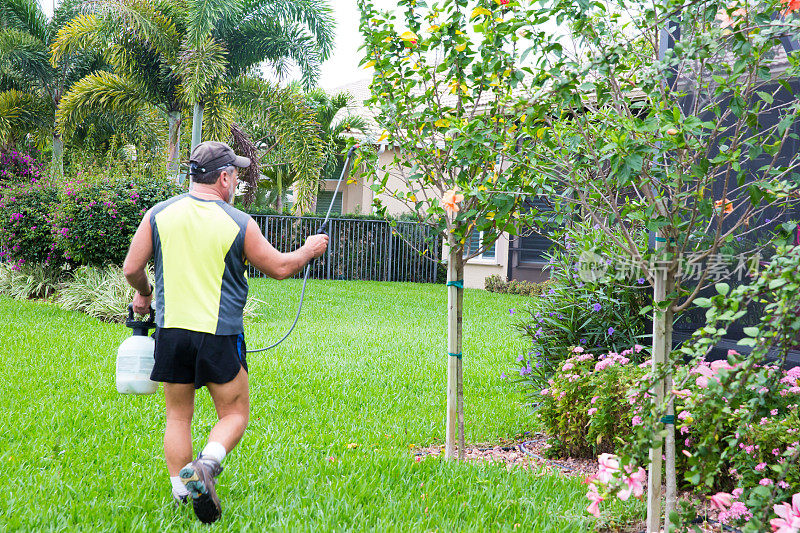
(135, 359)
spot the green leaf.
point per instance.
(751, 331)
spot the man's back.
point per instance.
(198, 249)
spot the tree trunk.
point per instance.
(671, 496)
(455, 380)
(197, 125)
(662, 345)
(174, 149)
(57, 162)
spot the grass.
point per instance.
(334, 412)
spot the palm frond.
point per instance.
(22, 113)
(139, 19)
(200, 66)
(25, 15)
(203, 16)
(26, 55)
(102, 91)
(315, 15)
(84, 32)
(256, 41)
(217, 116)
(243, 145)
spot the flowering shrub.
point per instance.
(19, 167)
(95, 222)
(589, 302)
(586, 406)
(737, 419)
(26, 212)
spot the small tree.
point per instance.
(678, 119)
(444, 84)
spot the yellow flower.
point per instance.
(461, 47)
(409, 37)
(480, 11)
(442, 123)
(434, 28)
(450, 201)
(370, 64)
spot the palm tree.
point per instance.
(31, 87)
(173, 55)
(327, 108)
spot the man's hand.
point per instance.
(317, 244)
(141, 304)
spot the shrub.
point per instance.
(102, 292)
(16, 167)
(586, 406)
(29, 280)
(737, 420)
(595, 306)
(26, 213)
(495, 283)
(95, 222)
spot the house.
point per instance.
(520, 258)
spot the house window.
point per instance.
(324, 201)
(473, 244)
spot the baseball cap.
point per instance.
(209, 156)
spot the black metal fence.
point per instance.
(360, 249)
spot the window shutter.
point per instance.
(324, 201)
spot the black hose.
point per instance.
(322, 229)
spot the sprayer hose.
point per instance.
(308, 266)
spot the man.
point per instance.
(200, 243)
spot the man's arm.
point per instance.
(139, 254)
(262, 255)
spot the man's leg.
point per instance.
(232, 401)
(179, 399)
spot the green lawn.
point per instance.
(366, 365)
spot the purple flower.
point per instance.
(610, 331)
(583, 341)
(640, 281)
(503, 375)
(596, 307)
(512, 311)
(521, 358)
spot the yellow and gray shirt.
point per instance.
(201, 282)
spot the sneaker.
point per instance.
(179, 501)
(199, 478)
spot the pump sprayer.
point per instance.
(135, 357)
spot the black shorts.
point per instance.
(184, 356)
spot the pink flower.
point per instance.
(721, 500)
(633, 484)
(595, 498)
(608, 466)
(567, 366)
(789, 516)
(760, 467)
(637, 420)
(592, 411)
(716, 366)
(702, 382)
(594, 399)
(638, 348)
(684, 393)
(766, 482)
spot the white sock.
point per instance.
(214, 450)
(178, 488)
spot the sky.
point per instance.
(342, 67)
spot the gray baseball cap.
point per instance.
(209, 156)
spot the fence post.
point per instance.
(389, 255)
